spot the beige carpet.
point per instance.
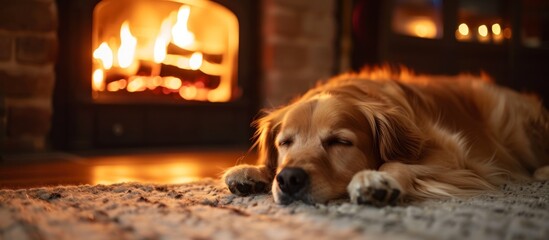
(206, 210)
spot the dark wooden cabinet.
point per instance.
(520, 61)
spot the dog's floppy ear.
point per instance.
(267, 129)
(397, 136)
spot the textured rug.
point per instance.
(206, 210)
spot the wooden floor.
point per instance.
(154, 166)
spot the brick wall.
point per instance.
(28, 46)
(298, 47)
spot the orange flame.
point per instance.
(162, 41)
(140, 65)
(126, 52)
(195, 61)
(182, 37)
(104, 54)
(98, 80)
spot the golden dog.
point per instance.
(378, 137)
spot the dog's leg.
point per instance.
(374, 188)
(248, 179)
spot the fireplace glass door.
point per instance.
(164, 50)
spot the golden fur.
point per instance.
(380, 136)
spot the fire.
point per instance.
(180, 32)
(98, 79)
(172, 83)
(104, 54)
(137, 84)
(126, 52)
(195, 61)
(188, 93)
(169, 58)
(116, 85)
(162, 41)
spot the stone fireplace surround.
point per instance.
(297, 49)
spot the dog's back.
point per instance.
(509, 129)
(502, 129)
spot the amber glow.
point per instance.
(104, 54)
(422, 27)
(126, 52)
(462, 33)
(172, 83)
(181, 35)
(187, 51)
(116, 85)
(162, 41)
(189, 92)
(463, 29)
(98, 79)
(507, 33)
(161, 173)
(195, 61)
(496, 29)
(483, 30)
(496, 33)
(425, 28)
(483, 34)
(137, 84)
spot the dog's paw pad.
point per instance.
(244, 180)
(247, 188)
(374, 188)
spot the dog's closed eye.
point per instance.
(285, 142)
(333, 141)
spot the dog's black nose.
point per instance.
(292, 180)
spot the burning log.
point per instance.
(115, 74)
(194, 76)
(213, 58)
(152, 69)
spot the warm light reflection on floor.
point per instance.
(162, 173)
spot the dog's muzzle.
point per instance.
(292, 183)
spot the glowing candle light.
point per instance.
(462, 32)
(483, 33)
(496, 33)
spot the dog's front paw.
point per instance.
(374, 188)
(246, 179)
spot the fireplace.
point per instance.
(146, 73)
(150, 50)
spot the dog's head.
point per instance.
(314, 146)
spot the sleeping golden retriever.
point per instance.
(378, 137)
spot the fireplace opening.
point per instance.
(177, 50)
(156, 73)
